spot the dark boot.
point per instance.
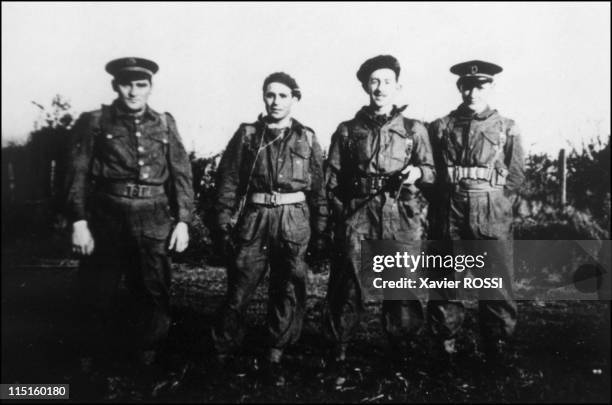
(444, 355)
(496, 354)
(274, 374)
(337, 370)
(146, 357)
(399, 352)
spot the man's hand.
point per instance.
(180, 238)
(411, 174)
(82, 241)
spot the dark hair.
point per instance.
(283, 78)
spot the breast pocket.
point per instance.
(300, 162)
(360, 146)
(114, 147)
(400, 150)
(156, 145)
(490, 143)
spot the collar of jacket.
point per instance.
(463, 112)
(121, 113)
(367, 115)
(295, 125)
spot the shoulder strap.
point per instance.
(408, 126)
(164, 119)
(99, 116)
(308, 134)
(502, 135)
(249, 131)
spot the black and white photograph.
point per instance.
(306, 202)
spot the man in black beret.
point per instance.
(129, 198)
(271, 178)
(479, 153)
(367, 156)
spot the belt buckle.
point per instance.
(375, 184)
(274, 198)
(134, 190)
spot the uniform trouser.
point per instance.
(131, 237)
(474, 216)
(381, 218)
(267, 236)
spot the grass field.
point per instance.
(561, 352)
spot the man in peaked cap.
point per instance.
(132, 67)
(480, 164)
(476, 71)
(129, 198)
(366, 155)
(274, 165)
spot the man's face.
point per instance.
(476, 95)
(134, 93)
(279, 101)
(382, 86)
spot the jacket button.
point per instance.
(140, 149)
(145, 175)
(138, 134)
(140, 163)
(109, 136)
(137, 121)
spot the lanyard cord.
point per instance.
(259, 149)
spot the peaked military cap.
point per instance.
(284, 78)
(375, 63)
(131, 65)
(476, 70)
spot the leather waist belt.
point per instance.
(277, 198)
(465, 187)
(132, 190)
(370, 184)
(457, 173)
(494, 176)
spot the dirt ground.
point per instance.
(561, 352)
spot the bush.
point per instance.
(538, 214)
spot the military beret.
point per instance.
(131, 65)
(284, 78)
(476, 70)
(375, 63)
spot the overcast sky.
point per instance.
(213, 59)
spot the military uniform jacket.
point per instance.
(291, 163)
(111, 146)
(364, 147)
(486, 140)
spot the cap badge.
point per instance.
(131, 62)
(474, 69)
